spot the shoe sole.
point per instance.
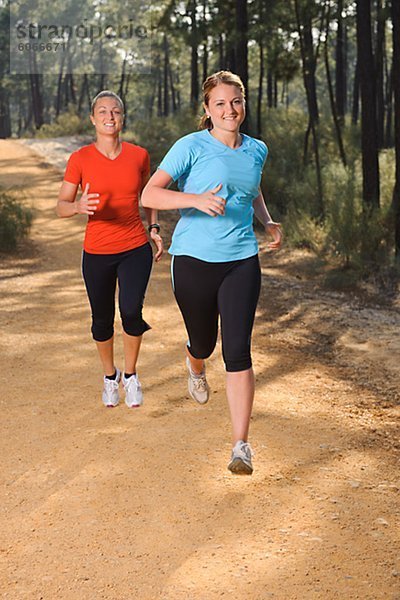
(239, 467)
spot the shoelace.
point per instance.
(200, 382)
(111, 384)
(133, 381)
(246, 450)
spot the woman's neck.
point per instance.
(233, 139)
(108, 145)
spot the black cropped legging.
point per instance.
(132, 271)
(204, 291)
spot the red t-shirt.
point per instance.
(116, 225)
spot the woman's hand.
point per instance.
(87, 203)
(275, 231)
(157, 241)
(210, 203)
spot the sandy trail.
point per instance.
(137, 504)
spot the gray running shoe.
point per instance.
(133, 391)
(110, 390)
(241, 459)
(197, 385)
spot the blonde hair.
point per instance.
(210, 83)
(106, 94)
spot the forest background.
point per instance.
(323, 91)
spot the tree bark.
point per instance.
(389, 110)
(165, 77)
(369, 134)
(242, 41)
(340, 91)
(396, 88)
(356, 94)
(5, 122)
(379, 62)
(84, 94)
(36, 92)
(304, 26)
(270, 88)
(194, 67)
(260, 89)
(241, 53)
(335, 114)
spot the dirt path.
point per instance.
(125, 505)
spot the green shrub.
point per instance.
(15, 222)
(344, 217)
(68, 123)
(302, 231)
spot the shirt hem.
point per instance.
(230, 259)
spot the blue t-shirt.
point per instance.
(200, 162)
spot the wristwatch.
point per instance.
(154, 226)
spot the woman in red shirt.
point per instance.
(112, 174)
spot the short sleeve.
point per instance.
(73, 171)
(264, 153)
(178, 159)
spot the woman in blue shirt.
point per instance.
(215, 267)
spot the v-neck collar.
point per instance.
(106, 157)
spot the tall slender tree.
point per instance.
(340, 73)
(194, 67)
(396, 87)
(369, 133)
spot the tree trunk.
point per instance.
(304, 26)
(334, 110)
(159, 93)
(205, 60)
(172, 87)
(260, 89)
(356, 94)
(340, 64)
(59, 85)
(165, 78)
(84, 94)
(396, 88)
(36, 93)
(379, 62)
(194, 68)
(5, 122)
(241, 53)
(389, 110)
(221, 51)
(369, 136)
(242, 41)
(205, 44)
(270, 88)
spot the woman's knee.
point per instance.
(201, 350)
(102, 329)
(133, 322)
(237, 357)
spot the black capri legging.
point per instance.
(204, 290)
(101, 272)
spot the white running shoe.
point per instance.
(110, 390)
(197, 384)
(133, 391)
(241, 459)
